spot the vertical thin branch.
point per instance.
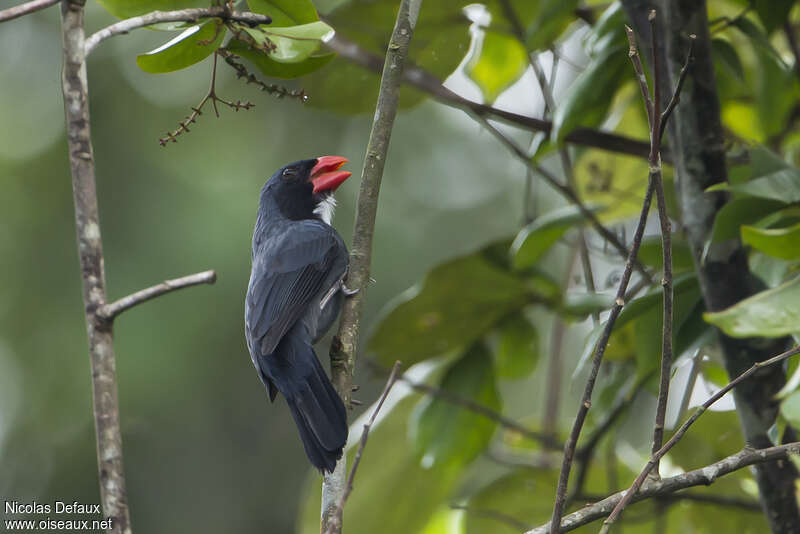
(343, 348)
(336, 520)
(90, 250)
(597, 358)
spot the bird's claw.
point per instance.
(349, 292)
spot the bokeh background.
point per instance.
(204, 449)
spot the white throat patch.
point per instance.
(325, 209)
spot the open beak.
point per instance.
(325, 175)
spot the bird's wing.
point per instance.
(300, 265)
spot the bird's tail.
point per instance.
(317, 409)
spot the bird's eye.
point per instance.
(288, 173)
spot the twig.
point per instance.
(657, 488)
(183, 126)
(343, 348)
(731, 501)
(678, 87)
(547, 440)
(685, 426)
(586, 401)
(429, 83)
(181, 15)
(335, 522)
(113, 494)
(25, 9)
(585, 452)
(110, 311)
(274, 89)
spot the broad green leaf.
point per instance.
(741, 211)
(552, 18)
(285, 12)
(537, 238)
(517, 349)
(274, 69)
(781, 243)
(608, 31)
(445, 433)
(291, 44)
(389, 479)
(757, 36)
(125, 9)
(782, 185)
(519, 496)
(728, 57)
(497, 65)
(773, 13)
(582, 305)
(456, 304)
(587, 100)
(771, 313)
(650, 253)
(184, 50)
(777, 92)
(441, 40)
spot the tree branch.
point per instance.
(181, 15)
(336, 521)
(25, 9)
(343, 348)
(704, 476)
(586, 401)
(110, 311)
(685, 427)
(90, 251)
(428, 83)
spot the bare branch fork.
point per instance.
(643, 488)
(343, 348)
(658, 488)
(336, 520)
(25, 9)
(181, 15)
(99, 315)
(653, 107)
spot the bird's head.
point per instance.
(304, 189)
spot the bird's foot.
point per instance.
(349, 292)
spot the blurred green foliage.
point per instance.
(204, 451)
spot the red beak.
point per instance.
(325, 175)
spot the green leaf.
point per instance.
(285, 12)
(274, 69)
(497, 64)
(552, 18)
(291, 44)
(728, 57)
(587, 100)
(125, 9)
(771, 313)
(781, 243)
(518, 495)
(517, 351)
(790, 408)
(582, 305)
(782, 185)
(441, 40)
(759, 39)
(537, 238)
(608, 31)
(390, 480)
(773, 13)
(650, 253)
(445, 433)
(740, 211)
(184, 50)
(457, 303)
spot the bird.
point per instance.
(296, 289)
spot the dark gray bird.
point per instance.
(295, 293)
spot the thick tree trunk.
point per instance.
(697, 145)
